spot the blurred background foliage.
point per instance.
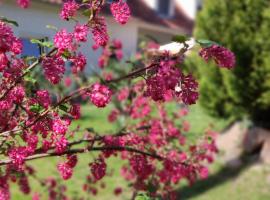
(242, 26)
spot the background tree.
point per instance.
(243, 27)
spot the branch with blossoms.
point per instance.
(34, 125)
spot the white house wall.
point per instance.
(188, 6)
(33, 21)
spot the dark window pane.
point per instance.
(164, 7)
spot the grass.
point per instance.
(247, 184)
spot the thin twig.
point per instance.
(83, 150)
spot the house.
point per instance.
(160, 19)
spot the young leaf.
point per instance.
(63, 107)
(9, 21)
(36, 108)
(206, 43)
(142, 197)
(179, 38)
(51, 27)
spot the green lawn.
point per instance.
(247, 184)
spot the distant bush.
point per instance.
(244, 27)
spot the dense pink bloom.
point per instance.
(5, 105)
(81, 32)
(100, 95)
(63, 40)
(98, 169)
(112, 117)
(187, 90)
(36, 196)
(117, 44)
(222, 56)
(72, 160)
(60, 126)
(120, 11)
(61, 144)
(54, 68)
(75, 111)
(65, 170)
(68, 81)
(167, 78)
(119, 54)
(24, 184)
(123, 94)
(16, 46)
(4, 189)
(99, 31)
(69, 9)
(203, 172)
(43, 98)
(140, 108)
(118, 191)
(8, 42)
(17, 94)
(78, 63)
(141, 166)
(3, 61)
(23, 3)
(17, 156)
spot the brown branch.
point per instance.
(83, 150)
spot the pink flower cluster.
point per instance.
(78, 63)
(23, 3)
(113, 50)
(120, 11)
(169, 80)
(66, 168)
(222, 56)
(98, 168)
(8, 43)
(100, 95)
(69, 9)
(54, 68)
(63, 40)
(100, 33)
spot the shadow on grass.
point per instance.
(223, 175)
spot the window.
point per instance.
(30, 49)
(199, 5)
(164, 7)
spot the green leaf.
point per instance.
(30, 79)
(87, 13)
(36, 108)
(206, 43)
(9, 21)
(51, 27)
(142, 197)
(64, 107)
(48, 44)
(180, 38)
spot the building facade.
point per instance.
(160, 19)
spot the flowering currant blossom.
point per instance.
(23, 3)
(98, 169)
(100, 95)
(222, 56)
(63, 40)
(120, 11)
(78, 63)
(81, 32)
(43, 98)
(69, 9)
(99, 32)
(54, 68)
